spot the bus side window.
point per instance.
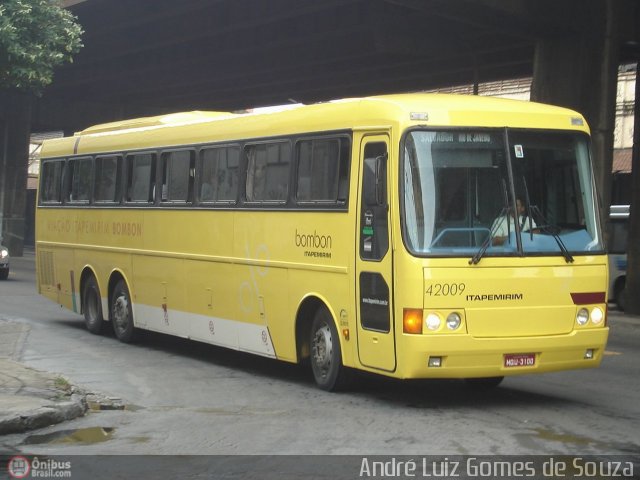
(51, 181)
(141, 177)
(107, 176)
(219, 174)
(268, 167)
(322, 170)
(78, 181)
(177, 170)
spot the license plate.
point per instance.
(519, 360)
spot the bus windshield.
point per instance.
(498, 192)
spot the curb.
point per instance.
(31, 399)
(44, 416)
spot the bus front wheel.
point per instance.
(122, 313)
(92, 306)
(326, 359)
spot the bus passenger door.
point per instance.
(375, 325)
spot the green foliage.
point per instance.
(36, 36)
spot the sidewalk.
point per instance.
(30, 399)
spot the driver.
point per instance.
(504, 224)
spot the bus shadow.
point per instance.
(428, 394)
(418, 394)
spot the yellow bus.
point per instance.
(376, 234)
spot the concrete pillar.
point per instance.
(578, 69)
(15, 126)
(632, 284)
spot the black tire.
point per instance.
(325, 354)
(92, 306)
(121, 313)
(4, 274)
(486, 383)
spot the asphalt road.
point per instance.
(183, 397)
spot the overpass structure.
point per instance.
(147, 57)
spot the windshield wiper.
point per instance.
(553, 231)
(485, 245)
(546, 226)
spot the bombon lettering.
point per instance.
(313, 240)
(127, 228)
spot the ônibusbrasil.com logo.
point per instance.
(21, 467)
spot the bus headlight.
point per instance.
(596, 315)
(583, 316)
(433, 321)
(453, 321)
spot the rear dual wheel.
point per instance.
(122, 313)
(92, 306)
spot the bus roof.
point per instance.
(401, 110)
(180, 118)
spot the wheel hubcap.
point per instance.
(322, 349)
(121, 312)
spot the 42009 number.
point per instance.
(445, 289)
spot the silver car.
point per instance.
(4, 263)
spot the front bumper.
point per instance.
(464, 356)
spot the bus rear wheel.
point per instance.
(325, 356)
(92, 306)
(122, 313)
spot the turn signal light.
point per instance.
(412, 320)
